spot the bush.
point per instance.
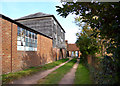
(106, 73)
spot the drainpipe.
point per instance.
(11, 47)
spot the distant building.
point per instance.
(72, 50)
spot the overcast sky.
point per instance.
(20, 8)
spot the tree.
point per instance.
(100, 16)
(107, 13)
(89, 43)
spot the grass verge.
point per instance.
(6, 78)
(82, 75)
(58, 74)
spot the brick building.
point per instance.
(72, 50)
(22, 47)
(48, 25)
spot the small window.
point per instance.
(30, 44)
(18, 31)
(35, 46)
(35, 43)
(18, 38)
(26, 33)
(30, 40)
(35, 36)
(61, 30)
(29, 34)
(18, 43)
(26, 44)
(23, 32)
(22, 39)
(21, 43)
(26, 39)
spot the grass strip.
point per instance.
(82, 75)
(6, 78)
(58, 74)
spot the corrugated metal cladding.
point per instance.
(41, 25)
(45, 24)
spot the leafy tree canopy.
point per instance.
(102, 16)
(104, 19)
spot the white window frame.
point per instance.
(22, 40)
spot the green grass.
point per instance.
(58, 74)
(6, 78)
(82, 75)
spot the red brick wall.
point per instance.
(0, 46)
(55, 53)
(27, 59)
(8, 45)
(45, 49)
(64, 53)
(58, 50)
(15, 59)
(58, 54)
(43, 54)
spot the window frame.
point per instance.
(28, 40)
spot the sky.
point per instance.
(18, 8)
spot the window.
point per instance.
(26, 33)
(35, 43)
(32, 35)
(29, 34)
(29, 40)
(35, 36)
(18, 31)
(26, 40)
(23, 32)
(61, 30)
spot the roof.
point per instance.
(72, 47)
(23, 26)
(39, 15)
